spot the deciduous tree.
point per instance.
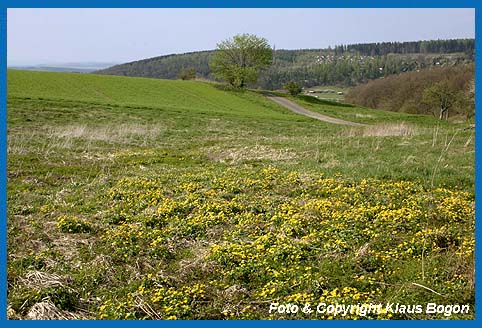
(440, 97)
(239, 60)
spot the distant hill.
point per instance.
(345, 65)
(86, 67)
(53, 69)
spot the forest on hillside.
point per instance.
(423, 92)
(344, 65)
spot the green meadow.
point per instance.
(136, 198)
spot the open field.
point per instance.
(132, 198)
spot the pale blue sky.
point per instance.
(43, 36)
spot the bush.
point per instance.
(187, 74)
(293, 88)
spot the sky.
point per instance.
(48, 36)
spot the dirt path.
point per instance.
(300, 110)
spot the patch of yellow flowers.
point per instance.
(283, 237)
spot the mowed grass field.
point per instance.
(132, 198)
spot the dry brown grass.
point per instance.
(384, 130)
(118, 133)
(46, 310)
(67, 136)
(240, 154)
(363, 250)
(41, 280)
(197, 262)
(144, 307)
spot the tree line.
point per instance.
(344, 65)
(424, 47)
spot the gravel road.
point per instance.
(302, 111)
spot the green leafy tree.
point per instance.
(239, 60)
(293, 88)
(188, 73)
(440, 96)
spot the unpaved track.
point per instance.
(300, 110)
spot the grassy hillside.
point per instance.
(132, 198)
(174, 96)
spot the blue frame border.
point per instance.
(4, 5)
(3, 163)
(478, 164)
(240, 4)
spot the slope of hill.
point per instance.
(174, 96)
(343, 65)
(134, 198)
(405, 92)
